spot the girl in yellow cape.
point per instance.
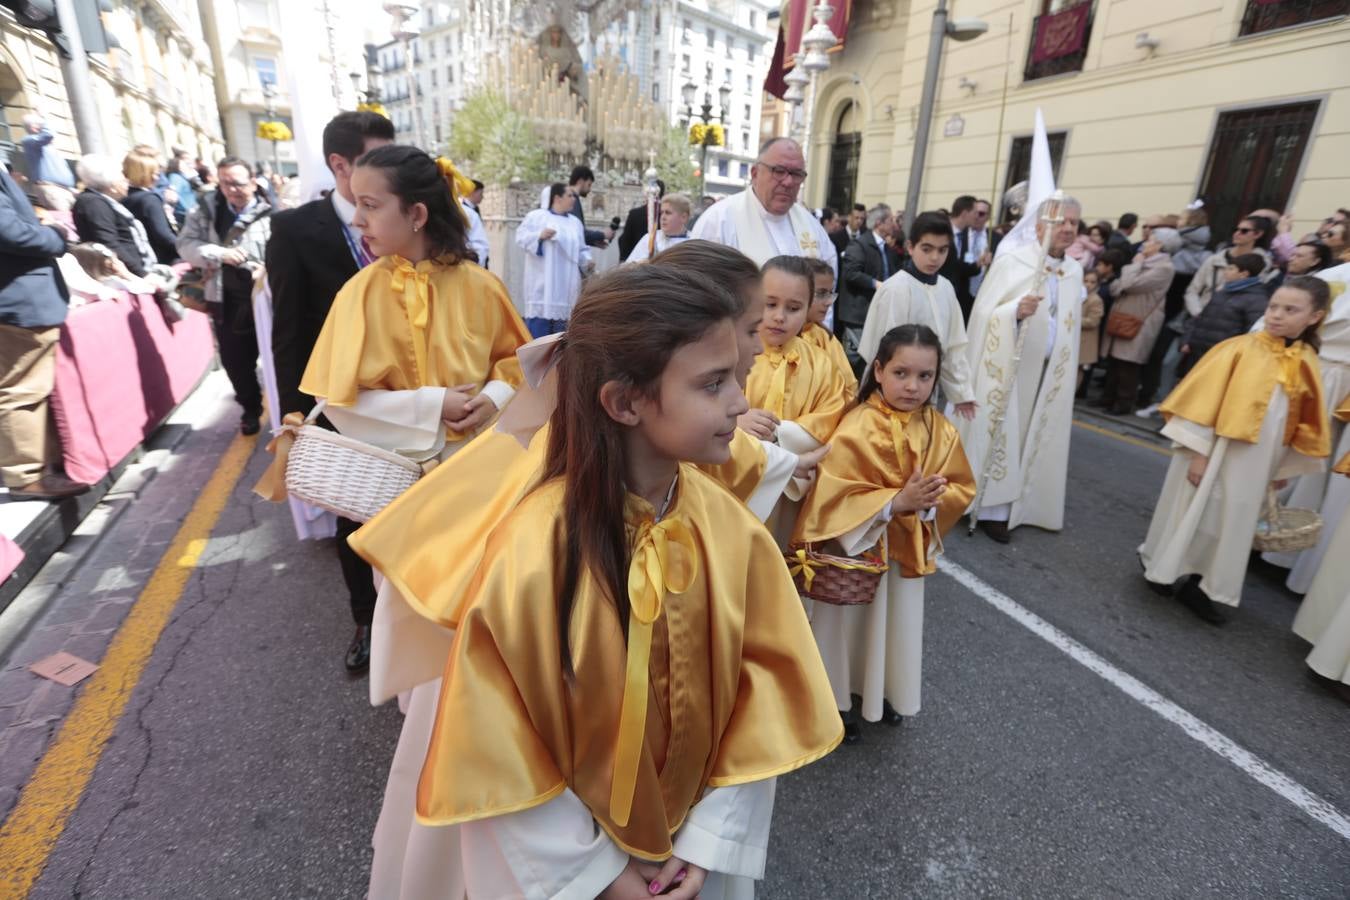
(1323, 618)
(895, 474)
(632, 671)
(1250, 413)
(464, 500)
(796, 394)
(815, 333)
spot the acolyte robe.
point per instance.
(1253, 407)
(876, 650)
(553, 267)
(820, 337)
(1029, 468)
(1323, 618)
(800, 385)
(728, 653)
(903, 299)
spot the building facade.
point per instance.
(152, 86)
(1148, 104)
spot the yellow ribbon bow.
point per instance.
(782, 363)
(804, 567)
(460, 185)
(664, 562)
(418, 304)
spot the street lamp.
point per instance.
(957, 30)
(816, 60)
(269, 101)
(405, 29)
(356, 88)
(689, 91)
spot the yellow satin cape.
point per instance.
(1230, 388)
(872, 454)
(396, 326)
(735, 692)
(818, 337)
(799, 383)
(743, 472)
(1342, 466)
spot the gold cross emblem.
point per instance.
(808, 244)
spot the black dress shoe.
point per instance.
(49, 487)
(889, 716)
(358, 653)
(852, 733)
(997, 531)
(1197, 601)
(250, 425)
(1162, 590)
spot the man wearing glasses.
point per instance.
(765, 220)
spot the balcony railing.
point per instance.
(1059, 42)
(1268, 15)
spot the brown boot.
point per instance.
(49, 487)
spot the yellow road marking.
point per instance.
(30, 833)
(1125, 438)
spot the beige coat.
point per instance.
(1141, 291)
(1094, 310)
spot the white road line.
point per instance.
(1258, 769)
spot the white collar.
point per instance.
(346, 212)
(759, 207)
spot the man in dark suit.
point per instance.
(33, 299)
(580, 185)
(835, 227)
(868, 260)
(956, 269)
(635, 226)
(313, 251)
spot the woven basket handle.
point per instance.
(1272, 508)
(316, 412)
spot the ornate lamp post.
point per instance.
(706, 136)
(272, 128)
(816, 60)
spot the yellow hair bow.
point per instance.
(664, 562)
(460, 185)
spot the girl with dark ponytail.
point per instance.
(896, 477)
(627, 575)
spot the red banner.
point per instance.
(796, 21)
(1061, 34)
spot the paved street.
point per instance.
(247, 764)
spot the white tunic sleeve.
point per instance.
(1187, 434)
(779, 465)
(640, 249)
(796, 440)
(400, 421)
(866, 535)
(727, 832)
(550, 852)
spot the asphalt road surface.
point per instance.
(247, 764)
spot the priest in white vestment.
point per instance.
(765, 220)
(1022, 463)
(556, 256)
(673, 227)
(918, 295)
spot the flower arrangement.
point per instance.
(712, 135)
(274, 131)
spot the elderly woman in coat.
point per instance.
(1136, 319)
(101, 218)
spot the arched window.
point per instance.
(844, 154)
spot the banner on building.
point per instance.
(1061, 34)
(794, 21)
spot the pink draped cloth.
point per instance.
(120, 370)
(11, 554)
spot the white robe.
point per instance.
(796, 233)
(662, 242)
(553, 267)
(477, 237)
(874, 650)
(1323, 619)
(1208, 530)
(1326, 493)
(902, 300)
(1030, 465)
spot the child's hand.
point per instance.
(477, 411)
(676, 878)
(807, 462)
(921, 492)
(760, 423)
(1196, 473)
(966, 410)
(630, 885)
(456, 402)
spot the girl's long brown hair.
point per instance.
(624, 328)
(725, 265)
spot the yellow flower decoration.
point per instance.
(274, 131)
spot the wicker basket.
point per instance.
(1285, 529)
(345, 476)
(837, 580)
